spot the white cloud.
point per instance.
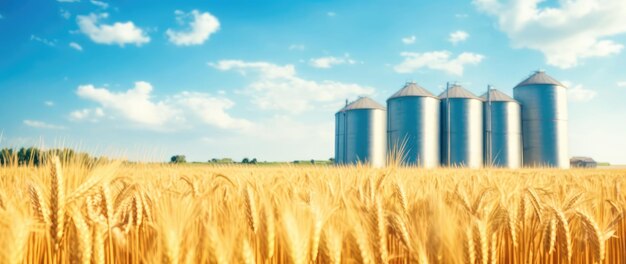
(212, 110)
(573, 30)
(299, 47)
(437, 60)
(42, 125)
(621, 84)
(201, 28)
(578, 93)
(408, 40)
(92, 115)
(45, 41)
(134, 105)
(119, 33)
(458, 36)
(65, 14)
(100, 4)
(331, 14)
(280, 88)
(329, 61)
(76, 46)
(137, 106)
(48, 103)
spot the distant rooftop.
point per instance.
(412, 89)
(363, 103)
(497, 96)
(585, 159)
(457, 91)
(539, 77)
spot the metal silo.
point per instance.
(461, 128)
(340, 135)
(413, 125)
(544, 120)
(361, 133)
(503, 130)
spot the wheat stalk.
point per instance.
(363, 244)
(57, 202)
(401, 195)
(399, 230)
(470, 249)
(294, 241)
(563, 232)
(83, 232)
(550, 235)
(381, 231)
(483, 241)
(99, 232)
(269, 233)
(332, 244)
(594, 234)
(247, 254)
(251, 212)
(39, 205)
(316, 232)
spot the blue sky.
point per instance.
(262, 79)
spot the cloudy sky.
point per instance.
(230, 78)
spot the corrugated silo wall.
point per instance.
(340, 136)
(505, 146)
(414, 128)
(465, 132)
(366, 136)
(544, 124)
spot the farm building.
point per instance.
(582, 162)
(458, 128)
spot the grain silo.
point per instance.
(461, 128)
(361, 133)
(544, 120)
(503, 130)
(413, 126)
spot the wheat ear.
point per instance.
(316, 233)
(84, 236)
(563, 232)
(57, 199)
(251, 212)
(549, 236)
(596, 236)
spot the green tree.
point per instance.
(253, 161)
(178, 159)
(245, 161)
(7, 156)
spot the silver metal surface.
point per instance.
(544, 121)
(503, 130)
(361, 133)
(461, 128)
(340, 135)
(413, 126)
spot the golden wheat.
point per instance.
(65, 212)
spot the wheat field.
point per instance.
(113, 212)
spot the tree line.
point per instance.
(36, 156)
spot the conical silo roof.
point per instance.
(457, 91)
(363, 103)
(412, 89)
(497, 96)
(539, 77)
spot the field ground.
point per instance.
(116, 213)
